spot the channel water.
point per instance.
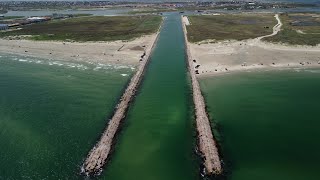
(156, 141)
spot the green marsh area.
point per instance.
(298, 29)
(268, 123)
(51, 115)
(93, 28)
(229, 26)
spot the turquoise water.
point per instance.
(268, 123)
(157, 140)
(51, 114)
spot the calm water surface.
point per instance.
(268, 123)
(51, 114)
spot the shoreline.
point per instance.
(247, 55)
(115, 52)
(259, 70)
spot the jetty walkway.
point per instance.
(100, 153)
(207, 143)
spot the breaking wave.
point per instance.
(80, 66)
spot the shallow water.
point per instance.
(51, 114)
(268, 123)
(157, 140)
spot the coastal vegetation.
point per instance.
(229, 26)
(94, 28)
(298, 29)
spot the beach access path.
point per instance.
(276, 28)
(252, 54)
(206, 142)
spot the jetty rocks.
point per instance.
(206, 142)
(100, 153)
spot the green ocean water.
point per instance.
(157, 140)
(268, 123)
(52, 113)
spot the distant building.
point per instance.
(3, 27)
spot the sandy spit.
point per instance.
(247, 55)
(251, 54)
(121, 52)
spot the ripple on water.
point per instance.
(80, 66)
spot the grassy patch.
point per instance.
(229, 27)
(94, 28)
(298, 29)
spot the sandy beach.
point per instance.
(122, 52)
(252, 54)
(249, 55)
